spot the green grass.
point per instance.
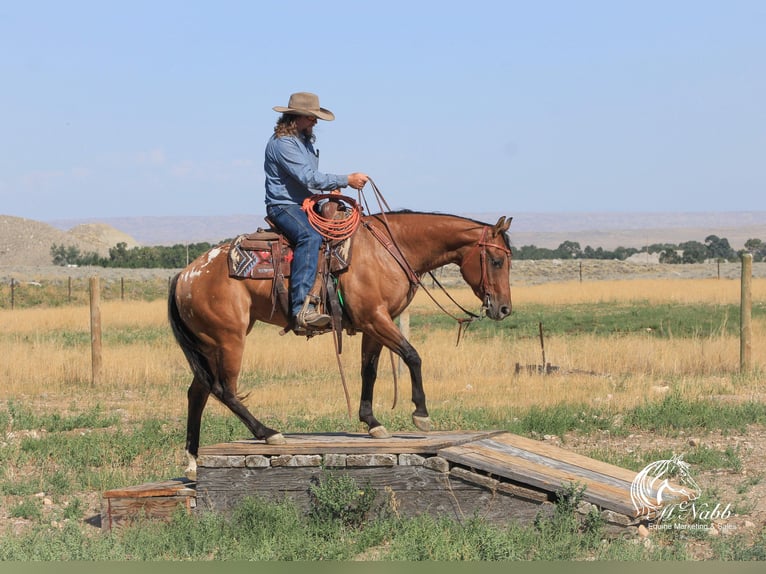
(259, 530)
(675, 413)
(80, 338)
(90, 451)
(663, 320)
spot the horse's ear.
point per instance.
(502, 225)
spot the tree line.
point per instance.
(714, 247)
(154, 257)
(179, 255)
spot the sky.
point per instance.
(163, 108)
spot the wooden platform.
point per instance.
(156, 500)
(493, 474)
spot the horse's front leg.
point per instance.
(370, 354)
(411, 358)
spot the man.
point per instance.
(292, 175)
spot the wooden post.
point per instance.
(95, 330)
(746, 304)
(122, 288)
(13, 292)
(580, 271)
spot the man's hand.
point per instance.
(357, 180)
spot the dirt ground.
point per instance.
(744, 490)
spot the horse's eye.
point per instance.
(497, 263)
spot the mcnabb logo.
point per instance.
(662, 484)
(666, 490)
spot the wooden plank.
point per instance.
(557, 460)
(573, 458)
(116, 512)
(495, 485)
(178, 486)
(349, 443)
(283, 479)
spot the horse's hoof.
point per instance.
(277, 438)
(422, 423)
(379, 432)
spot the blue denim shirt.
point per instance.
(292, 172)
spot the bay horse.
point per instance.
(212, 313)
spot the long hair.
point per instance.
(286, 126)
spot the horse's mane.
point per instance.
(379, 215)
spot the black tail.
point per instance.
(188, 342)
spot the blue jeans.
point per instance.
(294, 223)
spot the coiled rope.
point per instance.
(332, 228)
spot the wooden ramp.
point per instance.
(493, 474)
(546, 467)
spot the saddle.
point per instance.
(267, 254)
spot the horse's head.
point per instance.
(486, 267)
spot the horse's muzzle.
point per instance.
(496, 312)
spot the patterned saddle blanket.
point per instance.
(265, 254)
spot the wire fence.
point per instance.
(25, 293)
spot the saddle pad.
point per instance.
(254, 255)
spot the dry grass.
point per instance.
(682, 291)
(290, 376)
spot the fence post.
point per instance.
(745, 309)
(13, 292)
(95, 330)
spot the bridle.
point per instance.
(481, 247)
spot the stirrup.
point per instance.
(309, 317)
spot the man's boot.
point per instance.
(310, 318)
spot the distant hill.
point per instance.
(607, 230)
(28, 242)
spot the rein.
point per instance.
(415, 280)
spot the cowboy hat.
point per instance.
(305, 104)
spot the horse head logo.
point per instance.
(663, 483)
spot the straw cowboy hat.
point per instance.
(305, 104)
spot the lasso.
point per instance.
(331, 228)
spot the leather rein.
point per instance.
(389, 243)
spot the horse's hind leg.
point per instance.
(225, 390)
(259, 430)
(197, 396)
(370, 356)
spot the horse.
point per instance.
(211, 313)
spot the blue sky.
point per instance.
(111, 109)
